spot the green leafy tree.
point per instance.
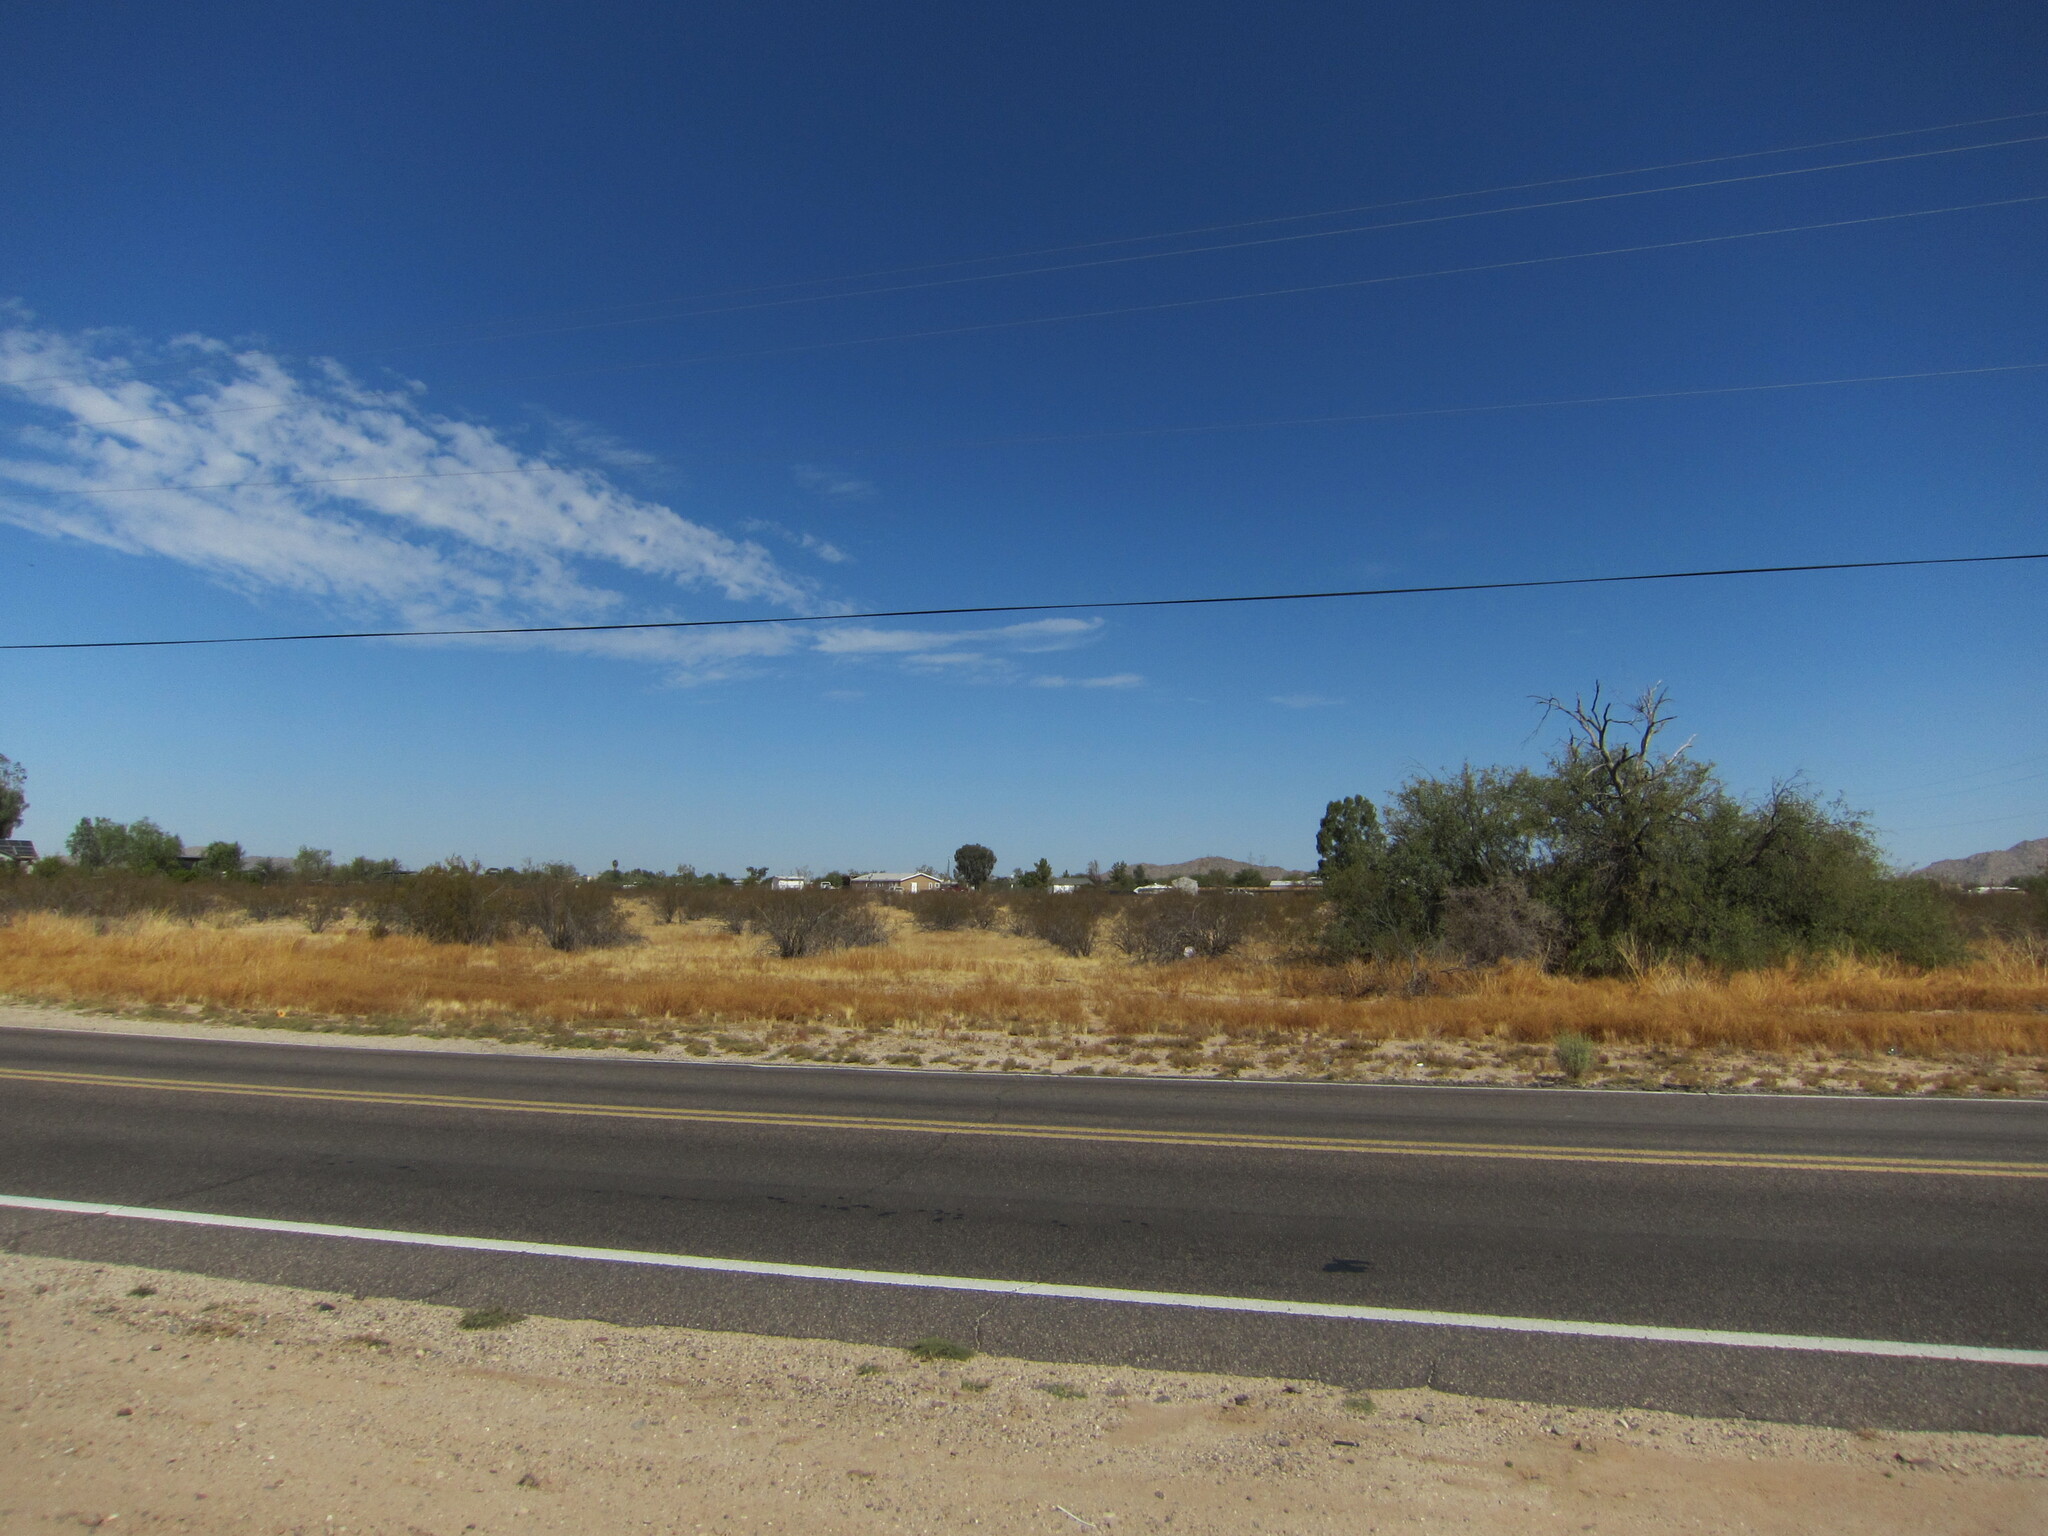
(1037, 877)
(151, 849)
(13, 794)
(1119, 873)
(313, 865)
(1350, 834)
(222, 859)
(96, 842)
(973, 865)
(1618, 853)
(143, 846)
(1626, 816)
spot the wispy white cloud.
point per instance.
(1303, 701)
(810, 543)
(980, 652)
(312, 483)
(596, 443)
(305, 481)
(1113, 680)
(833, 484)
(831, 554)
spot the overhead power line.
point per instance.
(1293, 218)
(1222, 228)
(995, 608)
(1199, 250)
(1425, 412)
(985, 327)
(1324, 213)
(1295, 290)
(1952, 794)
(1185, 429)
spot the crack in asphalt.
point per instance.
(921, 1156)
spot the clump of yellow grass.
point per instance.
(696, 976)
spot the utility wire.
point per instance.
(1159, 307)
(1450, 410)
(1295, 218)
(959, 612)
(1206, 229)
(1165, 305)
(1325, 213)
(1198, 250)
(1256, 424)
(1975, 773)
(1951, 794)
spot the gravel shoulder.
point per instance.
(1474, 1064)
(154, 1401)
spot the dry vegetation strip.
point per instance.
(691, 977)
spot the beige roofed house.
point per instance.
(911, 884)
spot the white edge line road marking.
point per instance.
(1975, 1353)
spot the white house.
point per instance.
(914, 883)
(789, 882)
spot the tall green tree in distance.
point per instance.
(13, 794)
(973, 865)
(142, 846)
(1350, 834)
(222, 859)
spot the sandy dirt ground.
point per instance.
(140, 1400)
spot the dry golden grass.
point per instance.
(689, 978)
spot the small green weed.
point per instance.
(490, 1317)
(1065, 1391)
(939, 1349)
(975, 1386)
(1574, 1054)
(870, 1369)
(143, 1290)
(1360, 1403)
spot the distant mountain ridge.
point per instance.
(2000, 867)
(1211, 864)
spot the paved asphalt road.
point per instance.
(1921, 1221)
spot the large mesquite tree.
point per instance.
(1618, 851)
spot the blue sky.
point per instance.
(618, 312)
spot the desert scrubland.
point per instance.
(994, 999)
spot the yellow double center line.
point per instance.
(1794, 1162)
